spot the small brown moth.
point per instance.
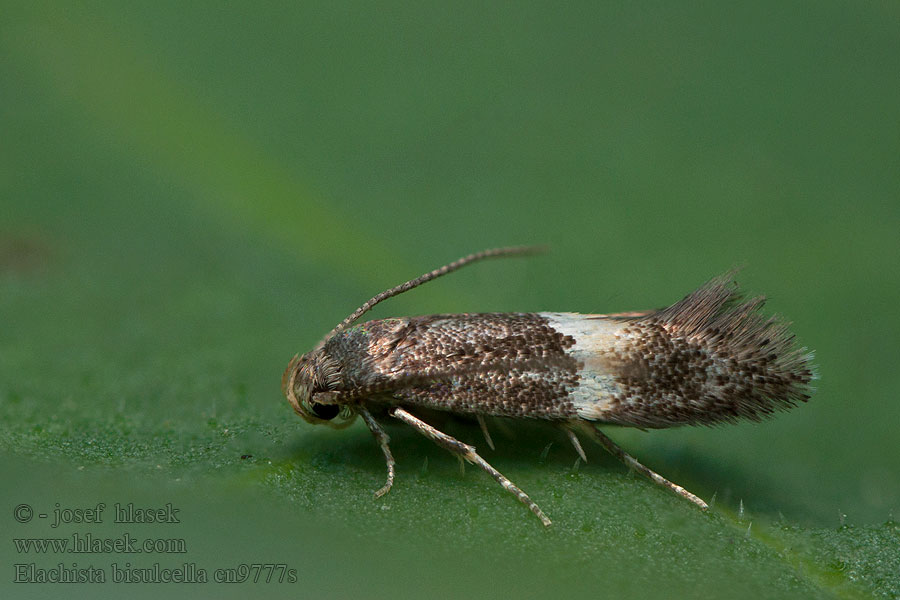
(710, 358)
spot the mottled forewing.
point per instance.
(502, 364)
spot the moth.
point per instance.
(710, 358)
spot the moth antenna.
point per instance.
(405, 287)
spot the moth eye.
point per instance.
(326, 412)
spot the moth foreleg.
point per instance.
(468, 453)
(382, 438)
(632, 462)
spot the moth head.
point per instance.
(306, 377)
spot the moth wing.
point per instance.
(508, 364)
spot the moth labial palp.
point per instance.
(710, 358)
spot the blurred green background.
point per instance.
(193, 192)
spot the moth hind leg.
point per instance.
(468, 453)
(632, 462)
(575, 443)
(485, 432)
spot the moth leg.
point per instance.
(468, 453)
(574, 439)
(484, 430)
(382, 438)
(632, 462)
